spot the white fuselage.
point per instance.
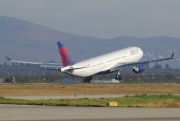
(105, 62)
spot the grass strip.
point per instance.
(157, 101)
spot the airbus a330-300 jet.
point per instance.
(104, 64)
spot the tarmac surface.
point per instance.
(55, 113)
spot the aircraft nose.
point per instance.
(141, 52)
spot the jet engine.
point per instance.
(138, 69)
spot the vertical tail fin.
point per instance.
(65, 58)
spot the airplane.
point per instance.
(104, 64)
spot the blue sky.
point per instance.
(100, 18)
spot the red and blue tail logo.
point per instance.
(65, 58)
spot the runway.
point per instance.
(50, 113)
(63, 97)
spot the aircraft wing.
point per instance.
(24, 62)
(116, 67)
(151, 61)
(47, 65)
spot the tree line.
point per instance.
(36, 74)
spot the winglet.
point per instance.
(9, 59)
(172, 56)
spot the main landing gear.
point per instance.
(87, 79)
(118, 76)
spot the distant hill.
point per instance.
(22, 40)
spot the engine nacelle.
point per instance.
(139, 69)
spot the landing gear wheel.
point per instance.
(118, 77)
(87, 80)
